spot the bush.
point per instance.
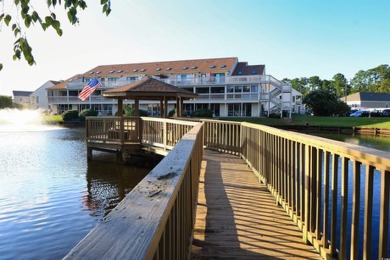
(203, 113)
(87, 112)
(70, 115)
(141, 112)
(274, 115)
(172, 113)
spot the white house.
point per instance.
(38, 98)
(21, 97)
(224, 85)
(367, 100)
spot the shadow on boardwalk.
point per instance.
(237, 216)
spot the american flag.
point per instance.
(89, 89)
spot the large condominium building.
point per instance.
(224, 85)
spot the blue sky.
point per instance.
(300, 38)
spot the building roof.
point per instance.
(243, 68)
(18, 93)
(148, 88)
(368, 96)
(215, 65)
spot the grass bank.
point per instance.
(52, 119)
(369, 122)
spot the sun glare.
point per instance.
(20, 120)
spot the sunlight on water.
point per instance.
(15, 120)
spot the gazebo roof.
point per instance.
(149, 88)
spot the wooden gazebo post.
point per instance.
(161, 108)
(120, 106)
(136, 106)
(165, 107)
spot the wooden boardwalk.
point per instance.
(237, 217)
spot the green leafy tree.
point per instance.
(340, 84)
(315, 83)
(371, 80)
(5, 102)
(324, 103)
(21, 15)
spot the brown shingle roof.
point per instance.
(215, 65)
(149, 89)
(243, 68)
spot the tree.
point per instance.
(340, 85)
(324, 103)
(21, 15)
(5, 102)
(371, 80)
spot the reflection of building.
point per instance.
(367, 100)
(22, 97)
(224, 85)
(108, 183)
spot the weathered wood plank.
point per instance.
(237, 216)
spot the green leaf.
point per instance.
(102, 2)
(16, 31)
(2, 16)
(7, 19)
(48, 21)
(27, 21)
(1, 66)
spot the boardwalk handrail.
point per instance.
(155, 220)
(311, 177)
(113, 129)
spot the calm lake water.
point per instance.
(50, 195)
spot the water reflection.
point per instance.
(108, 183)
(50, 195)
(376, 142)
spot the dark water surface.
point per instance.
(50, 195)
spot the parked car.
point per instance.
(386, 112)
(360, 113)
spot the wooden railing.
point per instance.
(164, 133)
(327, 187)
(113, 129)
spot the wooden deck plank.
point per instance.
(237, 216)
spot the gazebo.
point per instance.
(149, 88)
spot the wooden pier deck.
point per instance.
(237, 217)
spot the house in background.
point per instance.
(367, 100)
(22, 98)
(38, 98)
(226, 86)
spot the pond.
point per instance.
(50, 195)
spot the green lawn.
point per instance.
(377, 122)
(52, 118)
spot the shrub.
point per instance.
(70, 115)
(172, 113)
(141, 112)
(203, 113)
(87, 112)
(274, 115)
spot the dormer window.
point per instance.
(111, 71)
(97, 72)
(194, 67)
(212, 66)
(158, 69)
(91, 72)
(119, 71)
(184, 68)
(169, 68)
(142, 70)
(223, 66)
(135, 70)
